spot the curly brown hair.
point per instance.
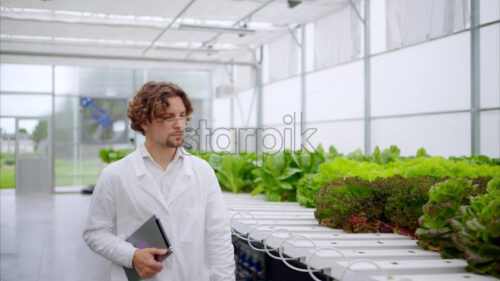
(151, 101)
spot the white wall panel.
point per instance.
(245, 105)
(221, 113)
(280, 99)
(336, 93)
(378, 26)
(345, 136)
(490, 133)
(440, 135)
(489, 10)
(490, 66)
(434, 76)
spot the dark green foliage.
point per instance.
(477, 159)
(383, 204)
(353, 204)
(340, 199)
(404, 205)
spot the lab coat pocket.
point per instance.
(190, 226)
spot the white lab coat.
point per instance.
(194, 217)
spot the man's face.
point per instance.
(168, 132)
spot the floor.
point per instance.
(41, 238)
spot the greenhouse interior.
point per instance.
(250, 140)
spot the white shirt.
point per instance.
(164, 179)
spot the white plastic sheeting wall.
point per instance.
(335, 93)
(245, 109)
(440, 135)
(420, 93)
(346, 136)
(490, 133)
(280, 99)
(490, 65)
(424, 78)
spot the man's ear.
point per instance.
(145, 126)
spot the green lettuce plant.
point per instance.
(477, 231)
(445, 199)
(235, 171)
(111, 155)
(276, 177)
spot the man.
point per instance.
(161, 178)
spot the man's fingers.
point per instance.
(159, 252)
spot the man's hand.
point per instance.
(144, 261)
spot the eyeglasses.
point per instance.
(171, 121)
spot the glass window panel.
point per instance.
(93, 82)
(25, 78)
(429, 77)
(346, 136)
(25, 105)
(66, 135)
(440, 135)
(65, 164)
(7, 126)
(7, 153)
(66, 112)
(489, 10)
(490, 66)
(90, 164)
(280, 99)
(335, 93)
(33, 137)
(490, 133)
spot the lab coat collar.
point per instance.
(146, 182)
(181, 154)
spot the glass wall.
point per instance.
(81, 95)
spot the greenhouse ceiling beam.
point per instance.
(236, 23)
(125, 58)
(475, 79)
(356, 10)
(168, 26)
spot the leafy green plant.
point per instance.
(390, 154)
(307, 188)
(110, 155)
(477, 159)
(352, 204)
(477, 231)
(445, 199)
(276, 177)
(404, 205)
(234, 172)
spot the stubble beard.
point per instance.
(175, 143)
